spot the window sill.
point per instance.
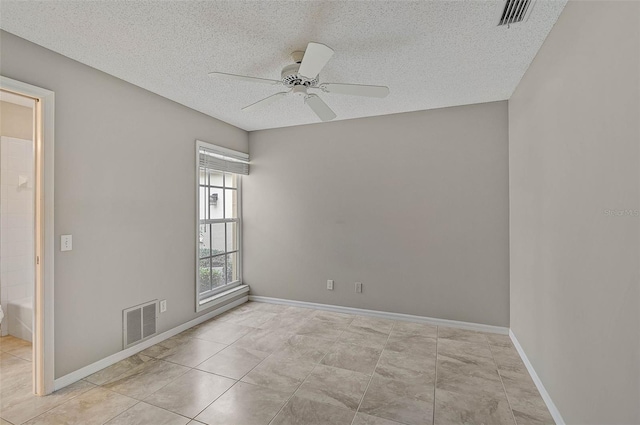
(221, 298)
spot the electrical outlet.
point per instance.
(66, 242)
(330, 285)
(358, 287)
(163, 306)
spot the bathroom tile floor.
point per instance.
(269, 364)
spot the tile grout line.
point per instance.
(119, 413)
(305, 379)
(138, 402)
(236, 380)
(204, 371)
(58, 405)
(199, 370)
(17, 357)
(168, 383)
(501, 381)
(125, 410)
(239, 380)
(213, 401)
(150, 394)
(373, 373)
(162, 408)
(292, 394)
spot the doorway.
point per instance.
(17, 224)
(26, 230)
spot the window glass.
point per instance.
(216, 203)
(217, 271)
(215, 178)
(218, 238)
(230, 203)
(203, 207)
(232, 267)
(204, 237)
(218, 232)
(204, 275)
(232, 237)
(230, 180)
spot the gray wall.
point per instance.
(124, 187)
(574, 167)
(413, 205)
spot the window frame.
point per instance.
(211, 297)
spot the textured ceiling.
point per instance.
(431, 54)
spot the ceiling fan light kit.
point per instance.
(303, 75)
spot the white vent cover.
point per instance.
(514, 11)
(139, 323)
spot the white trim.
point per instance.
(224, 152)
(385, 315)
(555, 413)
(121, 355)
(221, 297)
(43, 326)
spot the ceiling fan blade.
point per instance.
(356, 89)
(243, 78)
(264, 102)
(315, 58)
(319, 107)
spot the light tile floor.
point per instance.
(269, 364)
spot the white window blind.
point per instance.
(223, 159)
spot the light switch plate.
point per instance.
(163, 306)
(66, 243)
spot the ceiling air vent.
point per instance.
(514, 11)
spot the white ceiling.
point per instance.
(431, 54)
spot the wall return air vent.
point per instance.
(139, 323)
(514, 11)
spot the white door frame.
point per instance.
(43, 329)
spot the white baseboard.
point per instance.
(121, 355)
(385, 315)
(555, 413)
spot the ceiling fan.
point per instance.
(302, 76)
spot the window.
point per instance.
(218, 250)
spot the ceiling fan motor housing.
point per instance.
(296, 78)
(291, 77)
(299, 90)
